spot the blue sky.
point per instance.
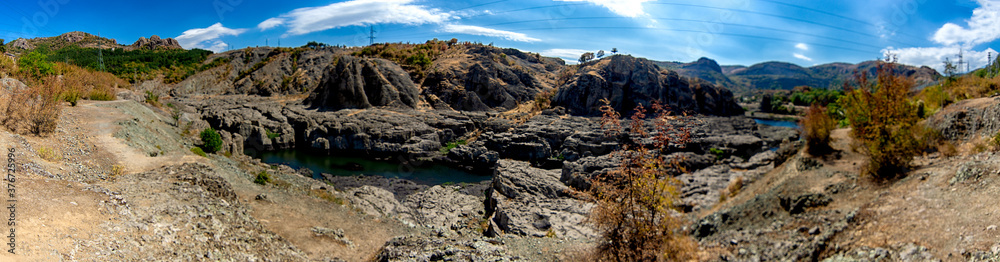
(920, 32)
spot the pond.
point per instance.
(778, 123)
(425, 173)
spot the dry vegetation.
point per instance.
(884, 121)
(636, 212)
(35, 108)
(816, 128)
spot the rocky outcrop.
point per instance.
(21, 43)
(363, 83)
(529, 201)
(156, 43)
(966, 119)
(627, 82)
(443, 207)
(474, 157)
(486, 78)
(429, 248)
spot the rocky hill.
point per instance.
(462, 77)
(786, 76)
(628, 82)
(154, 43)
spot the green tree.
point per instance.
(212, 140)
(35, 65)
(586, 57)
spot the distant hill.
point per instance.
(785, 76)
(86, 40)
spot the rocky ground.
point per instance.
(117, 182)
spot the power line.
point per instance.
(832, 14)
(700, 21)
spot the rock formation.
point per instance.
(363, 83)
(627, 82)
(155, 42)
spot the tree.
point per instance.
(614, 50)
(883, 120)
(817, 125)
(600, 53)
(35, 65)
(586, 57)
(636, 202)
(949, 68)
(212, 140)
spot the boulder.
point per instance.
(968, 118)
(443, 207)
(528, 201)
(474, 157)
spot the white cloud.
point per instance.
(358, 13)
(934, 57)
(982, 27)
(626, 8)
(207, 38)
(802, 46)
(803, 57)
(570, 55)
(483, 31)
(271, 23)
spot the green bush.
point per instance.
(198, 151)
(451, 145)
(36, 65)
(262, 178)
(212, 140)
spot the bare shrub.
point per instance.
(636, 212)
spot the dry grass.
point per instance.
(734, 187)
(48, 154)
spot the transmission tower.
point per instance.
(960, 57)
(100, 54)
(371, 35)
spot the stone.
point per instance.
(528, 201)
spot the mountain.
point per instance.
(785, 76)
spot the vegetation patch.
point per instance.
(262, 178)
(211, 139)
(451, 145)
(198, 151)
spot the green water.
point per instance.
(418, 171)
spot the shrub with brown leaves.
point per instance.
(816, 127)
(636, 212)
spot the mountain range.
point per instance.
(776, 75)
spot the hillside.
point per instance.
(786, 76)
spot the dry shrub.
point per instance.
(884, 121)
(34, 109)
(88, 83)
(636, 211)
(816, 127)
(734, 187)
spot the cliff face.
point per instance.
(363, 83)
(627, 82)
(486, 78)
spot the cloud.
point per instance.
(570, 55)
(626, 8)
(270, 23)
(802, 46)
(934, 57)
(803, 57)
(981, 27)
(207, 38)
(483, 31)
(357, 13)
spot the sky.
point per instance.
(733, 32)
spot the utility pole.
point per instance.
(371, 35)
